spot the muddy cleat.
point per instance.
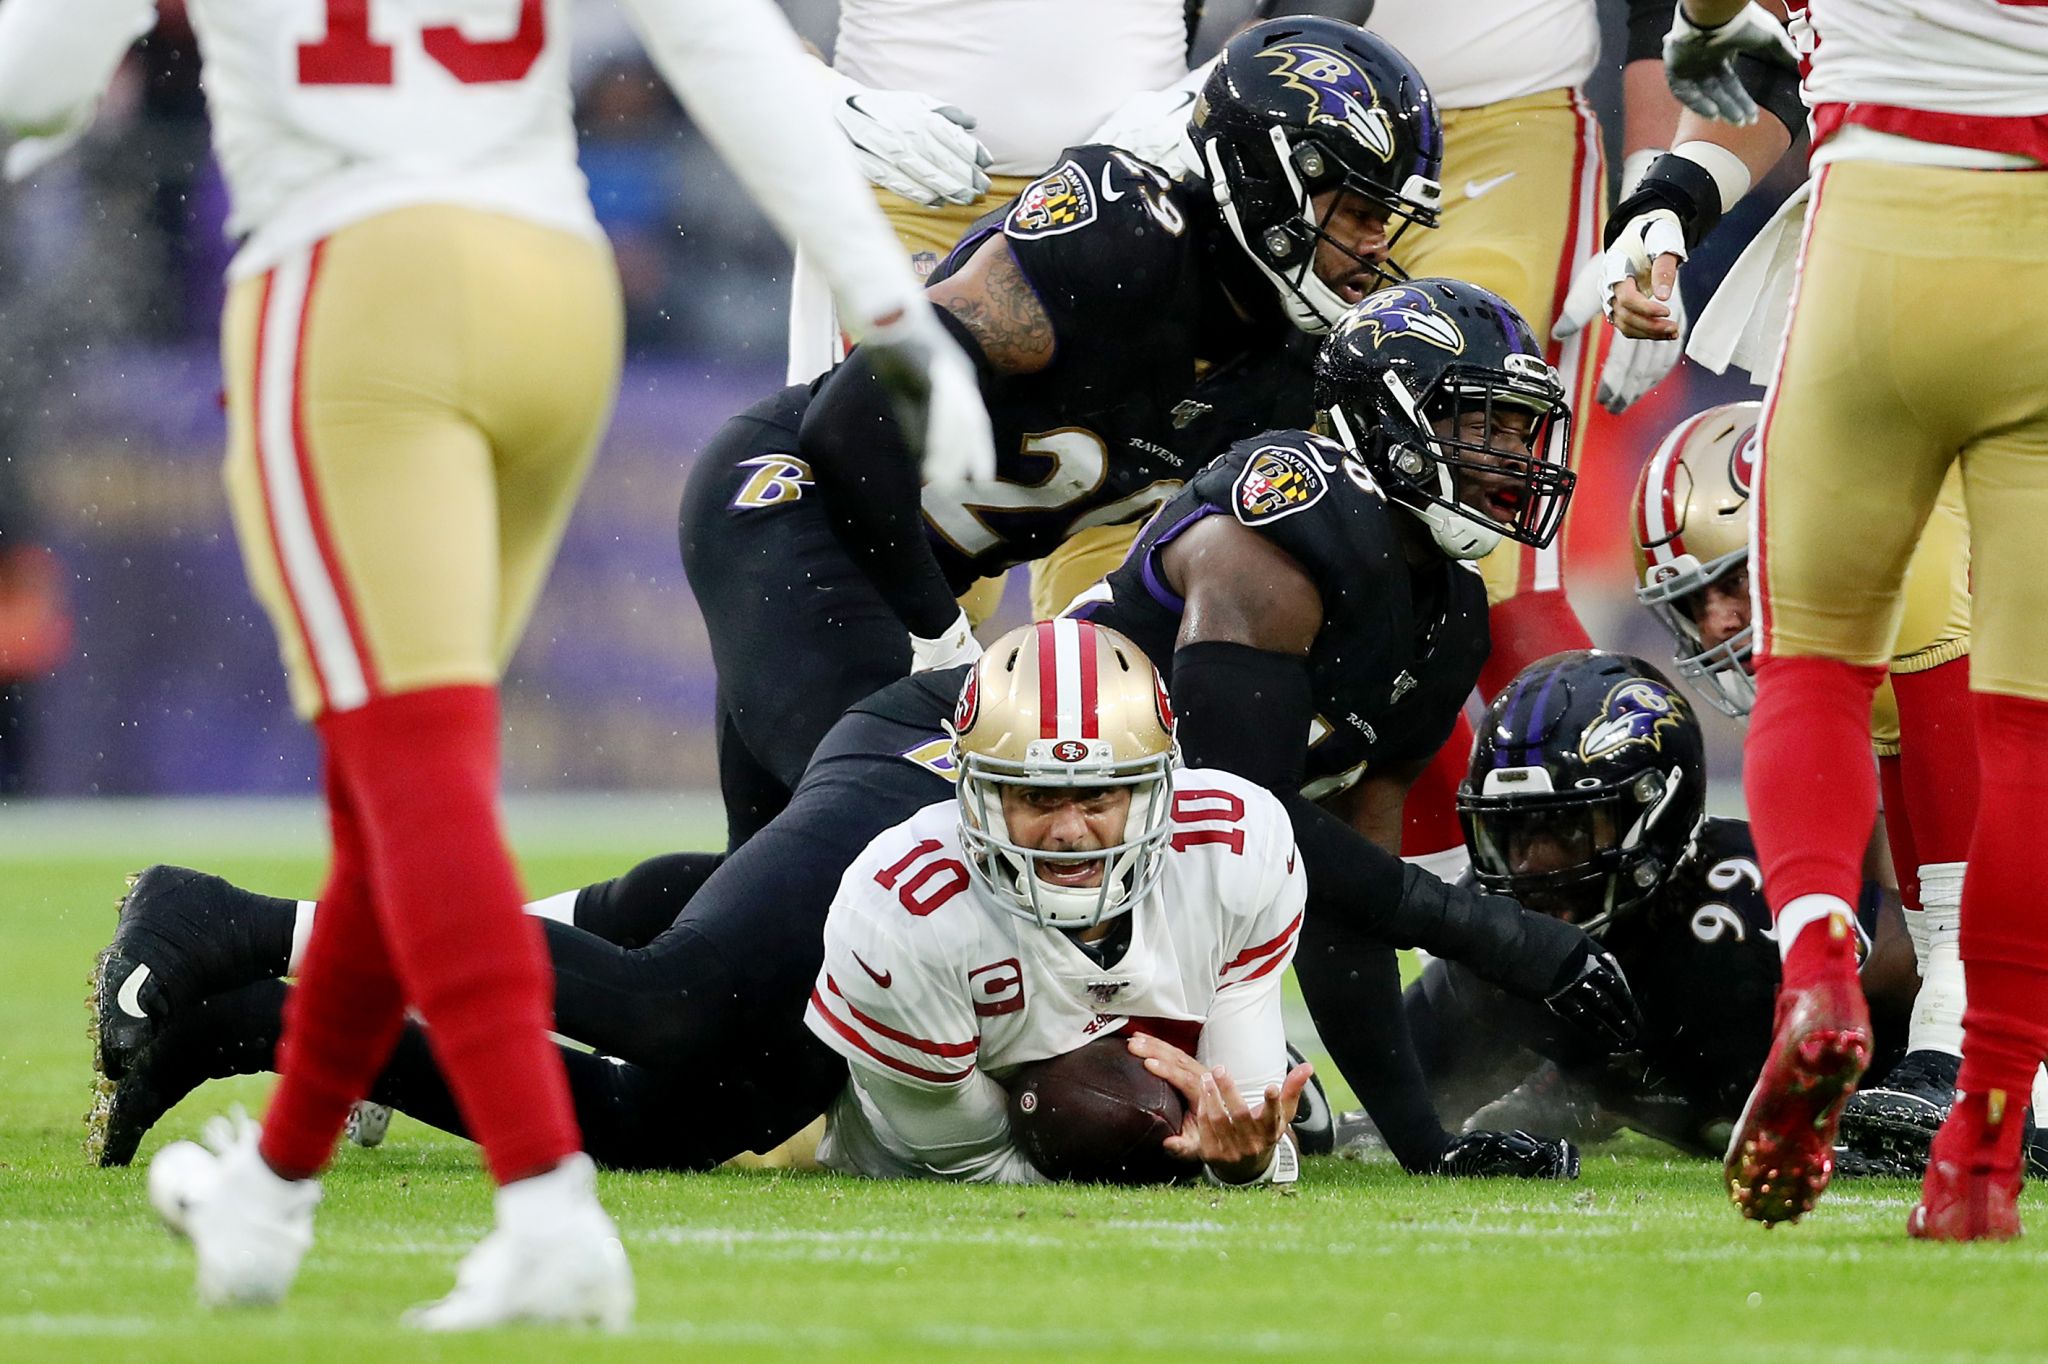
(367, 1124)
(1782, 1153)
(182, 936)
(555, 1256)
(124, 1110)
(1894, 1120)
(250, 1228)
(1972, 1189)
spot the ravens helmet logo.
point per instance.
(1404, 312)
(1636, 711)
(1341, 94)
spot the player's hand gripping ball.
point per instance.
(1097, 1116)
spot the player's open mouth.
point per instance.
(1079, 872)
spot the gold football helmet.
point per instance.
(1064, 703)
(1692, 529)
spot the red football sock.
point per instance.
(2005, 929)
(343, 1019)
(1898, 829)
(1938, 748)
(1812, 792)
(1525, 628)
(424, 766)
(1429, 820)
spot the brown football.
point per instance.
(1097, 1116)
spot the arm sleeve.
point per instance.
(1648, 22)
(56, 57)
(961, 1133)
(739, 69)
(872, 488)
(1244, 1032)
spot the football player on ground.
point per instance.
(1917, 110)
(1081, 883)
(1691, 526)
(1091, 306)
(421, 347)
(1296, 576)
(1587, 799)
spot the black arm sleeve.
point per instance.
(1679, 184)
(1216, 686)
(1775, 88)
(869, 479)
(1648, 22)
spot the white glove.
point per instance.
(1152, 125)
(1699, 63)
(955, 646)
(910, 144)
(1634, 366)
(937, 395)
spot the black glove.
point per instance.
(1596, 1002)
(1514, 1154)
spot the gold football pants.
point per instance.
(1917, 342)
(412, 406)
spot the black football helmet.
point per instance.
(1588, 781)
(1441, 350)
(1304, 104)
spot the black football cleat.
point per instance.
(234, 1033)
(1315, 1124)
(182, 936)
(1895, 1120)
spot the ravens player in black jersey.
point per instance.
(1586, 798)
(1295, 577)
(1122, 323)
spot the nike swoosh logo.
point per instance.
(881, 978)
(1475, 189)
(129, 997)
(1109, 196)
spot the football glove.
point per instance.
(1634, 365)
(1597, 1002)
(1699, 63)
(954, 646)
(1516, 1155)
(911, 144)
(936, 393)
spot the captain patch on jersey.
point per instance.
(1276, 481)
(1061, 201)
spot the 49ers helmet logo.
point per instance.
(1163, 701)
(1070, 750)
(1742, 461)
(970, 703)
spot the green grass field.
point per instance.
(1641, 1260)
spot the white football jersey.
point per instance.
(929, 979)
(1946, 56)
(326, 112)
(1483, 51)
(1038, 75)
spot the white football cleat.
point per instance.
(250, 1227)
(555, 1256)
(367, 1124)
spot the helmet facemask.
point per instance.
(1720, 674)
(1010, 870)
(1423, 466)
(1282, 241)
(1611, 833)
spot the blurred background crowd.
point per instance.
(132, 659)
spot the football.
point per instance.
(1097, 1116)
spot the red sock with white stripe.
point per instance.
(424, 768)
(1812, 792)
(2005, 932)
(1526, 627)
(344, 1016)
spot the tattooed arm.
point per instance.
(863, 467)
